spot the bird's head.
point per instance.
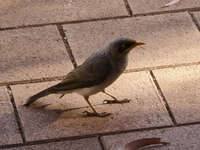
(122, 46)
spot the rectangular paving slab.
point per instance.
(83, 144)
(23, 12)
(170, 38)
(144, 110)
(32, 53)
(181, 86)
(180, 138)
(147, 6)
(9, 133)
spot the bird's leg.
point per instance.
(94, 113)
(115, 101)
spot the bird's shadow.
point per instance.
(37, 118)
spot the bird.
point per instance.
(96, 73)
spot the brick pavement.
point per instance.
(41, 41)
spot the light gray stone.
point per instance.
(32, 53)
(23, 12)
(197, 15)
(170, 39)
(181, 87)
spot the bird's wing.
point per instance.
(90, 73)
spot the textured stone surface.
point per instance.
(32, 53)
(180, 138)
(9, 133)
(23, 12)
(170, 38)
(181, 89)
(146, 6)
(86, 144)
(144, 110)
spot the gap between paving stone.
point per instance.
(75, 143)
(195, 20)
(168, 11)
(59, 78)
(101, 19)
(128, 7)
(74, 138)
(67, 46)
(64, 22)
(159, 90)
(18, 120)
(9, 131)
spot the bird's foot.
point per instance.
(93, 114)
(116, 101)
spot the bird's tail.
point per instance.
(37, 96)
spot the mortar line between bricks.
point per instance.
(163, 97)
(73, 138)
(67, 46)
(194, 19)
(18, 120)
(101, 143)
(167, 11)
(56, 78)
(162, 67)
(46, 79)
(127, 5)
(64, 22)
(100, 19)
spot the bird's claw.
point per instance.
(116, 101)
(93, 114)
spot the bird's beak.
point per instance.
(140, 43)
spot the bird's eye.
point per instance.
(122, 48)
(125, 46)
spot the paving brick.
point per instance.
(145, 110)
(32, 53)
(181, 89)
(86, 144)
(146, 6)
(170, 38)
(178, 137)
(22, 12)
(9, 133)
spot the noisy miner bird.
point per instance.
(99, 70)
